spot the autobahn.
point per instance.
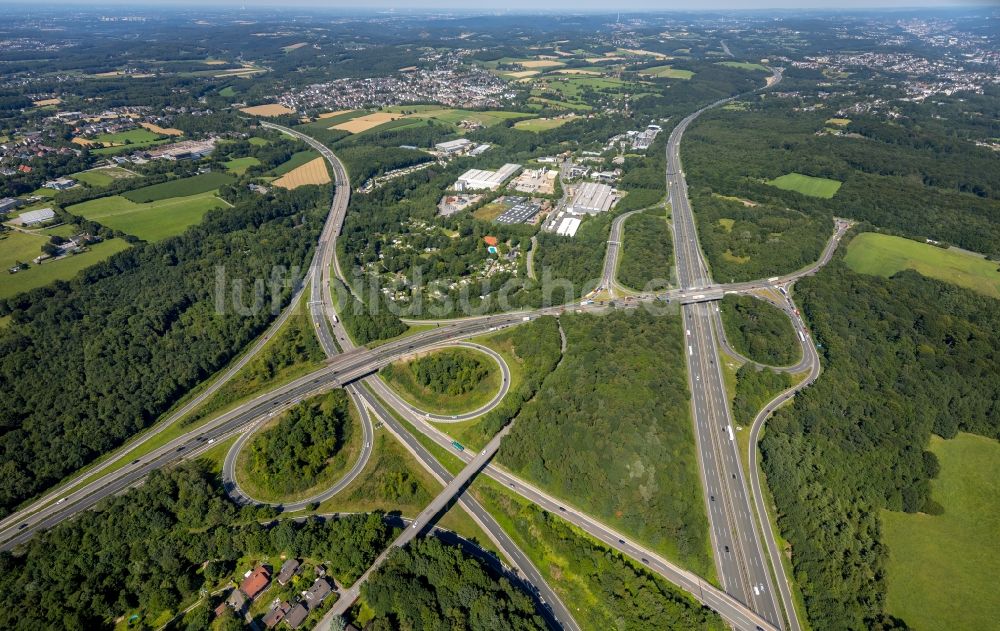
(333, 336)
(742, 566)
(357, 364)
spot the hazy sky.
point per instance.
(555, 5)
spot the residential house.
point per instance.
(277, 614)
(288, 570)
(256, 582)
(296, 616)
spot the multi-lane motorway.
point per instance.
(740, 560)
(743, 569)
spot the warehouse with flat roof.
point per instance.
(479, 179)
(592, 198)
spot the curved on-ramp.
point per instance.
(240, 496)
(457, 418)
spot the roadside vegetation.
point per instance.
(760, 331)
(755, 387)
(430, 585)
(610, 432)
(292, 352)
(532, 351)
(445, 381)
(904, 357)
(603, 588)
(310, 447)
(647, 252)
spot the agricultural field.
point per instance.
(151, 221)
(667, 72)
(542, 124)
(570, 89)
(18, 246)
(942, 568)
(884, 255)
(102, 176)
(163, 131)
(327, 115)
(312, 172)
(179, 188)
(454, 116)
(807, 185)
(297, 160)
(239, 166)
(136, 137)
(272, 109)
(366, 122)
(839, 122)
(744, 65)
(579, 107)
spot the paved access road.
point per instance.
(333, 337)
(231, 482)
(486, 407)
(609, 275)
(321, 261)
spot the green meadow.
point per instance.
(942, 569)
(806, 185)
(151, 221)
(884, 255)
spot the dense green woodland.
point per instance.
(538, 346)
(648, 253)
(147, 550)
(760, 331)
(610, 432)
(755, 387)
(913, 181)
(431, 586)
(449, 373)
(903, 357)
(307, 441)
(120, 343)
(626, 596)
(763, 241)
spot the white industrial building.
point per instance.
(35, 217)
(568, 226)
(453, 147)
(479, 179)
(592, 198)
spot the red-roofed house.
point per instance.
(256, 582)
(490, 240)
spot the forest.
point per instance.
(303, 449)
(755, 387)
(156, 547)
(122, 341)
(449, 373)
(903, 357)
(538, 345)
(759, 331)
(647, 254)
(610, 431)
(434, 587)
(915, 182)
(625, 596)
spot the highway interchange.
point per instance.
(743, 569)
